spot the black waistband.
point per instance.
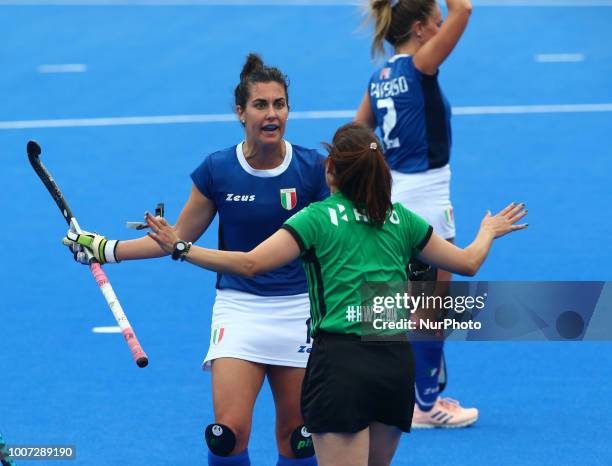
(396, 338)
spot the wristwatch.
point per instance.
(181, 248)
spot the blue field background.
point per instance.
(540, 403)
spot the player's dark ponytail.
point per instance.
(393, 20)
(254, 71)
(360, 170)
(253, 62)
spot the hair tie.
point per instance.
(373, 146)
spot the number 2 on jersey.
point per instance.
(389, 122)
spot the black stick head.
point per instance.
(142, 361)
(33, 149)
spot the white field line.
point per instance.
(541, 3)
(65, 68)
(159, 120)
(106, 330)
(559, 57)
(313, 115)
(526, 109)
(477, 3)
(181, 2)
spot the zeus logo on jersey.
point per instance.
(389, 88)
(231, 197)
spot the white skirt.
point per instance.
(264, 329)
(427, 194)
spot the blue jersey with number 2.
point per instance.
(412, 114)
(252, 205)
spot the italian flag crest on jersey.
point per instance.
(288, 198)
(449, 216)
(217, 335)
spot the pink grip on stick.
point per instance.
(98, 273)
(139, 355)
(130, 337)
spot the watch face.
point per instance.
(181, 246)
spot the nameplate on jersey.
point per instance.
(340, 212)
(390, 88)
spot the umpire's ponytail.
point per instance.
(360, 170)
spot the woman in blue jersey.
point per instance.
(405, 102)
(355, 387)
(260, 325)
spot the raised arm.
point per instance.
(191, 224)
(447, 256)
(433, 53)
(276, 251)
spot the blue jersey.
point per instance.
(253, 204)
(412, 114)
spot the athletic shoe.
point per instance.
(446, 413)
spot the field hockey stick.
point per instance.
(4, 454)
(138, 354)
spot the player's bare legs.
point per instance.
(342, 449)
(286, 385)
(235, 385)
(383, 443)
(444, 412)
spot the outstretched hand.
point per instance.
(162, 232)
(504, 222)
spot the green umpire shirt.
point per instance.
(341, 250)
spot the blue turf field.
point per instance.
(541, 403)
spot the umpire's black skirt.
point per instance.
(351, 383)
